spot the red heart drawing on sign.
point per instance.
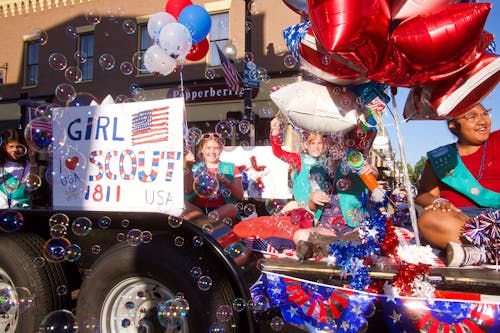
(71, 162)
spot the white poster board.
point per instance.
(266, 178)
(120, 157)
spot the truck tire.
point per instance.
(127, 283)
(19, 270)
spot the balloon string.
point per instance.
(185, 125)
(406, 177)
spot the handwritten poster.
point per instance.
(122, 157)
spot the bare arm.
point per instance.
(189, 160)
(429, 193)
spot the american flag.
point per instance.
(150, 126)
(230, 73)
(377, 105)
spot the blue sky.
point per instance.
(422, 136)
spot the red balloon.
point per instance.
(403, 9)
(175, 7)
(354, 30)
(198, 51)
(396, 70)
(454, 96)
(317, 61)
(438, 37)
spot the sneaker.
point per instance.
(458, 255)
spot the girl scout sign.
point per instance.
(124, 157)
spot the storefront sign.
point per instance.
(208, 93)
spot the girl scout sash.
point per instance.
(450, 169)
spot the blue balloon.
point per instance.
(197, 20)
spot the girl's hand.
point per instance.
(275, 126)
(443, 205)
(320, 198)
(189, 158)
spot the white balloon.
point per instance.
(315, 107)
(157, 21)
(156, 60)
(176, 40)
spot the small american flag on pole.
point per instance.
(150, 126)
(230, 73)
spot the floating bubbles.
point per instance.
(244, 126)
(61, 290)
(224, 128)
(107, 61)
(179, 241)
(59, 218)
(58, 61)
(139, 94)
(344, 184)
(227, 221)
(249, 209)
(7, 301)
(72, 252)
(120, 236)
(33, 182)
(58, 230)
(209, 73)
(146, 237)
(95, 249)
(129, 27)
(207, 228)
(205, 185)
(171, 311)
(290, 61)
(236, 249)
(71, 32)
(38, 133)
(274, 206)
(224, 313)
(127, 68)
(73, 74)
(134, 237)
(60, 321)
(104, 222)
(38, 36)
(213, 216)
(90, 325)
(125, 223)
(205, 283)
(197, 241)
(256, 7)
(120, 99)
(138, 60)
(11, 221)
(248, 57)
(81, 226)
(261, 303)
(54, 249)
(174, 222)
(80, 57)
(216, 327)
(92, 16)
(239, 304)
(196, 272)
(38, 261)
(277, 324)
(45, 110)
(24, 298)
(65, 92)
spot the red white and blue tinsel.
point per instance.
(432, 316)
(315, 306)
(484, 230)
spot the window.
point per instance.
(219, 34)
(31, 63)
(86, 48)
(145, 42)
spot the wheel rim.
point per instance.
(9, 305)
(132, 305)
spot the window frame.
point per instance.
(31, 41)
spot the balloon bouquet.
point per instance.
(438, 48)
(179, 34)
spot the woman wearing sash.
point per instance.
(459, 182)
(16, 162)
(211, 185)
